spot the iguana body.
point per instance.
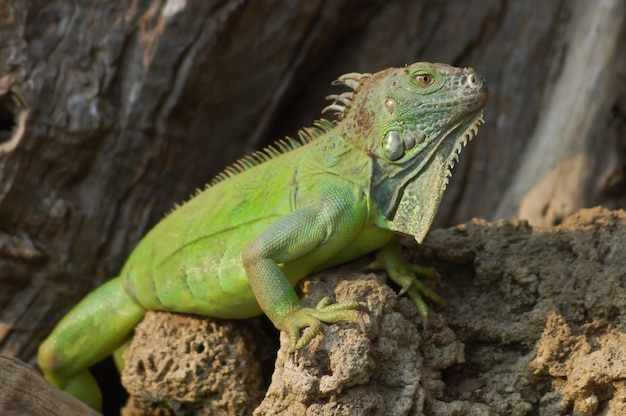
(236, 249)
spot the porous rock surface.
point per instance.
(186, 365)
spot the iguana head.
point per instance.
(414, 122)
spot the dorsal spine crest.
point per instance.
(306, 135)
(341, 105)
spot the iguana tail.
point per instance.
(96, 327)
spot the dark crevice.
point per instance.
(13, 114)
(7, 119)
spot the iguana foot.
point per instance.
(390, 259)
(312, 318)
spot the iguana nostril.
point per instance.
(472, 80)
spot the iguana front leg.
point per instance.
(390, 258)
(306, 237)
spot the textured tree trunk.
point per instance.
(568, 152)
(23, 391)
(110, 112)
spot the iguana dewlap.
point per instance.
(237, 249)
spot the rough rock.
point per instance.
(186, 365)
(537, 310)
(394, 368)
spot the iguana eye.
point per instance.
(393, 147)
(424, 79)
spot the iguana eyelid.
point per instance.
(424, 79)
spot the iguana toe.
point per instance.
(310, 320)
(389, 258)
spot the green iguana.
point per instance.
(237, 249)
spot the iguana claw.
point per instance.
(312, 318)
(389, 258)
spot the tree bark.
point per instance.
(111, 112)
(23, 391)
(561, 164)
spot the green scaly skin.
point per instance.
(237, 249)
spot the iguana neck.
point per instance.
(335, 153)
